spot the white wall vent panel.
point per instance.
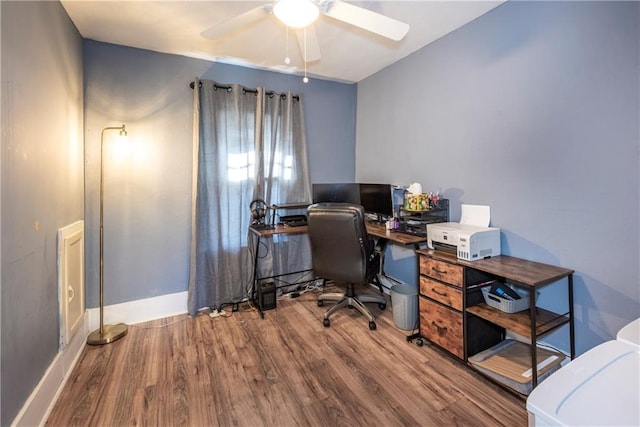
(71, 280)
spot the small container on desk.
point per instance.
(415, 214)
(504, 304)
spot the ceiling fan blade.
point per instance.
(367, 20)
(310, 47)
(243, 20)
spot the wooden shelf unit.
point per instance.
(441, 273)
(520, 323)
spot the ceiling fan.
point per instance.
(300, 14)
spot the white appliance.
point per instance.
(599, 388)
(630, 333)
(467, 242)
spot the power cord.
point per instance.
(313, 286)
(219, 313)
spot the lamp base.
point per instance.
(109, 334)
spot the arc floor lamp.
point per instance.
(106, 333)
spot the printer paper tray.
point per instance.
(445, 247)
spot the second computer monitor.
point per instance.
(377, 199)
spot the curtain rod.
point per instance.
(254, 91)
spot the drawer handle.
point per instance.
(438, 271)
(441, 329)
(442, 294)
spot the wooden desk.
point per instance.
(279, 229)
(397, 237)
(378, 231)
(270, 233)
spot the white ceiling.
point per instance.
(349, 54)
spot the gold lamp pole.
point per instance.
(106, 333)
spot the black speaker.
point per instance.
(267, 296)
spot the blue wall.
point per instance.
(532, 109)
(42, 185)
(148, 194)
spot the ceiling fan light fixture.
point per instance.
(296, 13)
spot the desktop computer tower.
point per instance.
(267, 296)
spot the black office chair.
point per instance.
(342, 251)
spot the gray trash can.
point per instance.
(404, 299)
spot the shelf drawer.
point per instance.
(443, 271)
(442, 293)
(442, 326)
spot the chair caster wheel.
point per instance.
(326, 323)
(372, 325)
(382, 306)
(320, 303)
(419, 342)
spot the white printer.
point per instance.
(467, 242)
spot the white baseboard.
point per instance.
(138, 311)
(39, 404)
(41, 401)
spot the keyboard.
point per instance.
(293, 220)
(262, 226)
(296, 223)
(413, 232)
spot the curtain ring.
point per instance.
(229, 89)
(283, 96)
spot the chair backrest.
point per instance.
(340, 246)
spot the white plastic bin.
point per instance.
(404, 299)
(630, 333)
(598, 388)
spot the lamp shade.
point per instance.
(296, 13)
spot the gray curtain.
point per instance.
(248, 144)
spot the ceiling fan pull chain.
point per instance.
(287, 60)
(306, 79)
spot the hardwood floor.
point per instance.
(284, 370)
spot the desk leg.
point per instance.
(381, 246)
(415, 335)
(254, 280)
(572, 337)
(534, 340)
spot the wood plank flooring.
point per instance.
(284, 370)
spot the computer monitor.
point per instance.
(377, 199)
(336, 193)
